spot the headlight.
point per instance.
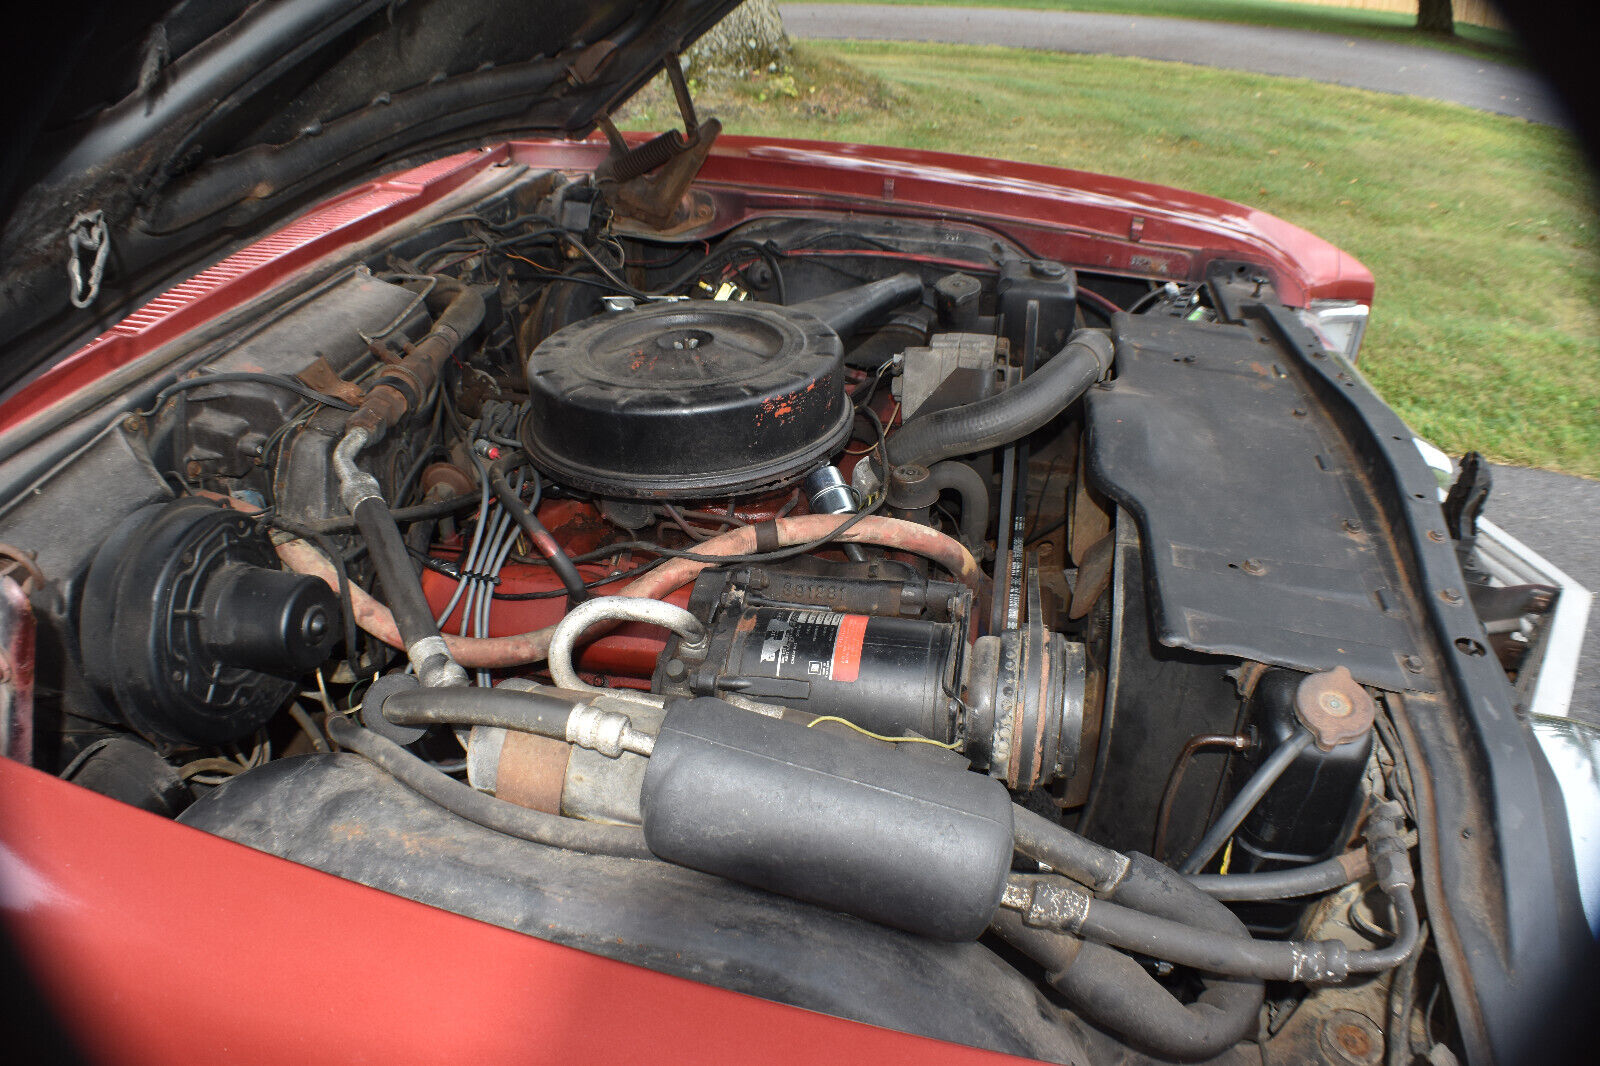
(1339, 323)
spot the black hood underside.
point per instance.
(182, 125)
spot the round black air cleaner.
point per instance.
(687, 399)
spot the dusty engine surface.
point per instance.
(816, 607)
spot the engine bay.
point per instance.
(852, 609)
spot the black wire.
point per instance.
(1034, 538)
(720, 255)
(410, 479)
(598, 582)
(276, 380)
(557, 279)
(766, 255)
(1038, 505)
(1138, 304)
(346, 603)
(437, 509)
(872, 389)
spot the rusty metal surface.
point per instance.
(16, 673)
(1498, 877)
(532, 771)
(1334, 707)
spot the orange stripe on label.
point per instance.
(847, 648)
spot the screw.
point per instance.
(133, 423)
(1435, 536)
(1450, 595)
(1299, 412)
(1254, 566)
(1412, 663)
(194, 468)
(1352, 525)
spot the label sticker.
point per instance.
(847, 648)
(807, 645)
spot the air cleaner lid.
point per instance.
(687, 400)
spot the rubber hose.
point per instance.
(1011, 414)
(1311, 880)
(847, 311)
(974, 492)
(413, 618)
(399, 389)
(1241, 805)
(554, 831)
(1408, 931)
(1066, 852)
(560, 562)
(1223, 953)
(1116, 993)
(541, 713)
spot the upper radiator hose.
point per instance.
(1014, 413)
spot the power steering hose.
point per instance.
(397, 393)
(1126, 919)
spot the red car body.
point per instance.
(125, 918)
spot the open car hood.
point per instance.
(181, 127)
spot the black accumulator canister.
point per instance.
(887, 835)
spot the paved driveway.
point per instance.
(1558, 516)
(1354, 61)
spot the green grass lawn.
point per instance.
(1480, 229)
(1395, 26)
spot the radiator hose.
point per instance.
(1009, 415)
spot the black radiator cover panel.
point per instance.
(1261, 539)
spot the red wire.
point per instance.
(1098, 300)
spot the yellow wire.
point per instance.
(880, 736)
(1227, 857)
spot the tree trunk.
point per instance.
(750, 38)
(1435, 16)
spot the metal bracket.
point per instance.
(648, 181)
